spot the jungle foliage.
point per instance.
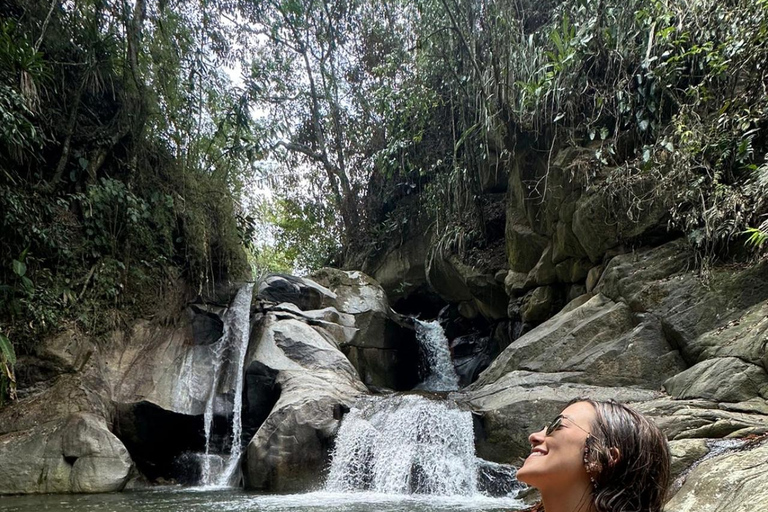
(122, 148)
(379, 101)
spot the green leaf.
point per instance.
(6, 350)
(19, 268)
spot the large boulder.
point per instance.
(74, 454)
(303, 292)
(736, 481)
(599, 225)
(383, 348)
(705, 380)
(315, 382)
(600, 339)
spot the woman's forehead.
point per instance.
(580, 411)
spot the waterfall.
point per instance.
(411, 445)
(233, 344)
(442, 376)
(405, 444)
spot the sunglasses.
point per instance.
(558, 422)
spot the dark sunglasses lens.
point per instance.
(554, 425)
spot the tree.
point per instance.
(319, 72)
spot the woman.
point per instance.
(598, 457)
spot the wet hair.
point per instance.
(627, 457)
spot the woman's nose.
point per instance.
(537, 437)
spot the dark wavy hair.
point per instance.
(628, 458)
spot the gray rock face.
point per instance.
(599, 227)
(708, 380)
(146, 367)
(521, 402)
(650, 324)
(382, 349)
(76, 454)
(734, 482)
(304, 293)
(600, 339)
(290, 449)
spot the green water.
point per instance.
(191, 500)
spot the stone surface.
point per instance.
(538, 305)
(401, 269)
(489, 295)
(599, 225)
(593, 276)
(524, 246)
(572, 270)
(515, 283)
(724, 379)
(601, 338)
(722, 317)
(733, 482)
(684, 453)
(544, 272)
(291, 447)
(76, 454)
(565, 244)
(705, 419)
(472, 353)
(303, 292)
(382, 341)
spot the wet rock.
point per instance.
(685, 452)
(472, 354)
(736, 481)
(291, 447)
(383, 348)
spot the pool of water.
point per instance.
(175, 499)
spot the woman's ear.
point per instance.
(614, 456)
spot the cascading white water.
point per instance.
(234, 342)
(240, 334)
(405, 444)
(442, 376)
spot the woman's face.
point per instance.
(557, 459)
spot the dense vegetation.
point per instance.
(377, 101)
(121, 154)
(125, 150)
